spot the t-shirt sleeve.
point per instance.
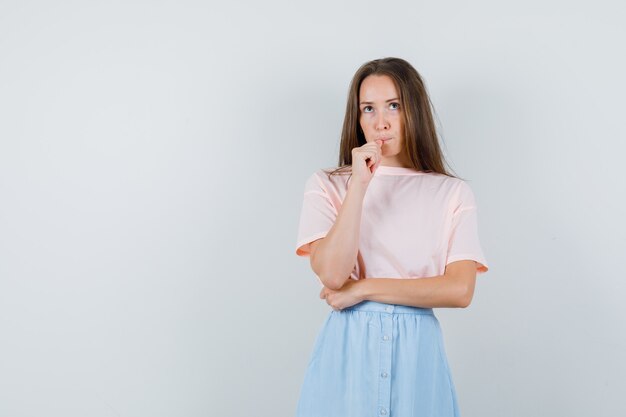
(317, 215)
(464, 243)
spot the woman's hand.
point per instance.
(365, 160)
(344, 297)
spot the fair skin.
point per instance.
(382, 118)
(333, 257)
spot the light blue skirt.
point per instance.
(378, 360)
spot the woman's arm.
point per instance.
(334, 256)
(455, 288)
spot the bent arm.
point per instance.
(334, 256)
(455, 288)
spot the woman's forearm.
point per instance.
(336, 254)
(437, 291)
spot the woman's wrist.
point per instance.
(363, 287)
(357, 187)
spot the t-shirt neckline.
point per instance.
(394, 170)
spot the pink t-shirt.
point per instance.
(413, 223)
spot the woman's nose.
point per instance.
(381, 122)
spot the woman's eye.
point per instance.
(368, 109)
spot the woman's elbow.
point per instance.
(464, 302)
(465, 298)
(332, 283)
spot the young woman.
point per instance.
(391, 235)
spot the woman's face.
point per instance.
(381, 116)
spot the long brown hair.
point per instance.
(421, 142)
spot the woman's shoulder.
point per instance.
(454, 187)
(327, 178)
(336, 170)
(333, 174)
(457, 189)
(448, 180)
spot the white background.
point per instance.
(152, 162)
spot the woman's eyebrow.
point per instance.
(371, 102)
